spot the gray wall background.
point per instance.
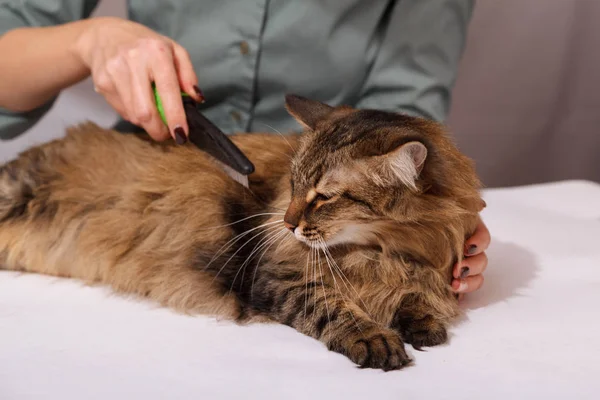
(526, 103)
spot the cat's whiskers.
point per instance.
(283, 238)
(343, 276)
(241, 220)
(271, 228)
(240, 235)
(258, 246)
(344, 297)
(335, 285)
(314, 267)
(279, 237)
(281, 134)
(263, 241)
(323, 284)
(236, 238)
(306, 284)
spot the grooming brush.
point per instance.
(207, 137)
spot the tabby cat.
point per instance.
(348, 232)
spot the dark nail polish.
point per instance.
(199, 93)
(472, 249)
(464, 272)
(180, 136)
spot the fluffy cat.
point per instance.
(348, 232)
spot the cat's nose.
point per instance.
(293, 214)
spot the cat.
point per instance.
(348, 231)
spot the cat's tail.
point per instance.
(20, 181)
(17, 185)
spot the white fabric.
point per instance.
(532, 331)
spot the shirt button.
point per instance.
(236, 116)
(244, 47)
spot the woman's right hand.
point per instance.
(124, 59)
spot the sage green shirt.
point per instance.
(397, 55)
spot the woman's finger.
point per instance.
(167, 84)
(467, 285)
(479, 241)
(120, 75)
(144, 105)
(470, 266)
(186, 74)
(114, 101)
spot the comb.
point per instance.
(209, 138)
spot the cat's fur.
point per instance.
(390, 194)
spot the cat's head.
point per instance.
(358, 173)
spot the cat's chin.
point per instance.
(315, 244)
(327, 244)
(347, 235)
(312, 243)
(319, 245)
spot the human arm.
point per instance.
(34, 13)
(42, 63)
(54, 45)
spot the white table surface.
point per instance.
(532, 331)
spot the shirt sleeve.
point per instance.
(416, 65)
(22, 13)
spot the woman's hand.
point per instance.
(468, 274)
(124, 59)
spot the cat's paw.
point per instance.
(382, 349)
(424, 332)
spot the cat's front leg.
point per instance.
(416, 325)
(317, 311)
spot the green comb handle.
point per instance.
(208, 137)
(159, 104)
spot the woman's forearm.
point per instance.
(124, 59)
(38, 63)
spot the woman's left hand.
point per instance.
(468, 273)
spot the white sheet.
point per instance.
(531, 332)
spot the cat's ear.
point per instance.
(406, 162)
(307, 112)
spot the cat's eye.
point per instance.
(322, 197)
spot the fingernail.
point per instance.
(464, 272)
(180, 135)
(472, 249)
(462, 287)
(199, 93)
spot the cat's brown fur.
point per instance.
(390, 194)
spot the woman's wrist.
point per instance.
(85, 37)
